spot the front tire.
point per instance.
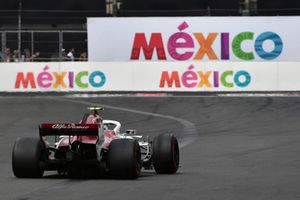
(124, 158)
(26, 156)
(165, 154)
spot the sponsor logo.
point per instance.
(64, 80)
(204, 79)
(69, 126)
(183, 46)
(59, 126)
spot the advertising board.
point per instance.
(194, 39)
(150, 76)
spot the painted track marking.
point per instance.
(189, 128)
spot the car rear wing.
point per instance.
(68, 129)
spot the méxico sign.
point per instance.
(149, 76)
(194, 39)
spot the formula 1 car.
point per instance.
(93, 146)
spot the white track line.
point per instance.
(190, 131)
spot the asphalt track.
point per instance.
(231, 147)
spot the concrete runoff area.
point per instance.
(231, 147)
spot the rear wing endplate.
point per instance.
(68, 129)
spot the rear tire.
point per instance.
(165, 154)
(26, 156)
(124, 158)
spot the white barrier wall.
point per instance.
(194, 39)
(150, 76)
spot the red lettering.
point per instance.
(155, 42)
(165, 78)
(29, 79)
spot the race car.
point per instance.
(93, 147)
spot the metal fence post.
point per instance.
(3, 39)
(32, 43)
(19, 30)
(60, 45)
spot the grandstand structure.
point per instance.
(35, 30)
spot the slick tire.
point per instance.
(26, 156)
(165, 154)
(124, 159)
